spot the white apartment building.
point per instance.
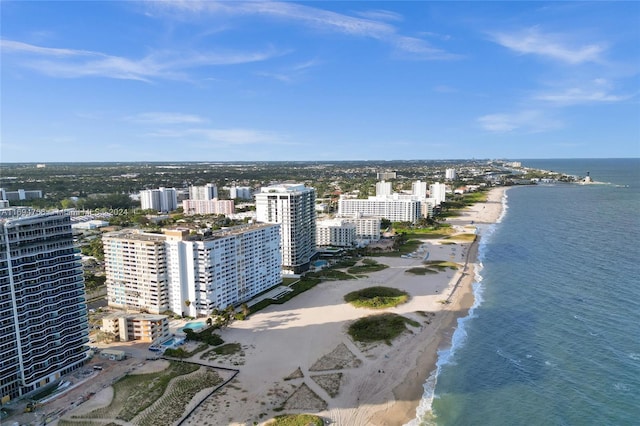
(141, 327)
(43, 316)
(228, 267)
(242, 192)
(437, 191)
(394, 208)
(136, 271)
(161, 199)
(293, 206)
(336, 233)
(214, 206)
(367, 227)
(450, 174)
(206, 192)
(383, 189)
(191, 275)
(419, 189)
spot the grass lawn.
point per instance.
(383, 327)
(462, 237)
(376, 297)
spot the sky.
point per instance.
(299, 81)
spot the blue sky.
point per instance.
(225, 81)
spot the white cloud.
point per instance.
(291, 74)
(595, 91)
(530, 121)
(70, 63)
(10, 46)
(577, 95)
(165, 118)
(380, 15)
(532, 41)
(232, 136)
(372, 27)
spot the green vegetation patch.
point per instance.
(182, 353)
(173, 403)
(442, 264)
(421, 271)
(205, 336)
(132, 394)
(377, 297)
(228, 349)
(296, 420)
(368, 265)
(462, 237)
(346, 263)
(335, 275)
(383, 327)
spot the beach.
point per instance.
(298, 358)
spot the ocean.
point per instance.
(554, 335)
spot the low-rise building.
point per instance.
(142, 327)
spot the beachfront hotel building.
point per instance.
(335, 233)
(43, 315)
(292, 205)
(161, 199)
(191, 275)
(213, 206)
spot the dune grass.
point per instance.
(377, 297)
(296, 420)
(382, 327)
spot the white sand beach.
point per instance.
(298, 356)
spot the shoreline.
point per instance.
(408, 394)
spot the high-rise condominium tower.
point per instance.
(206, 192)
(292, 206)
(190, 274)
(43, 314)
(161, 199)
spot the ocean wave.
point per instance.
(505, 207)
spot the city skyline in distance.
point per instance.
(324, 81)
